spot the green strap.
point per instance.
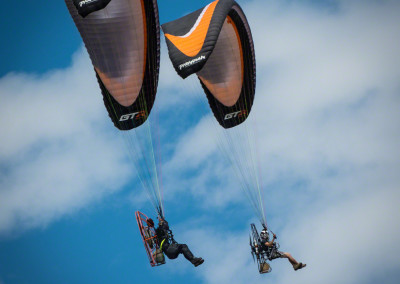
(162, 244)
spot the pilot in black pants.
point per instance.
(171, 248)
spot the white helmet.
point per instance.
(264, 234)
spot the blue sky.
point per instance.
(327, 99)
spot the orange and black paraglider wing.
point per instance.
(216, 43)
(229, 76)
(122, 39)
(192, 38)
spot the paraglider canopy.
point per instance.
(122, 39)
(215, 42)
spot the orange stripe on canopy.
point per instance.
(191, 44)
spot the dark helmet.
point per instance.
(150, 222)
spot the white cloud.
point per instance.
(53, 156)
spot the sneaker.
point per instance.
(299, 266)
